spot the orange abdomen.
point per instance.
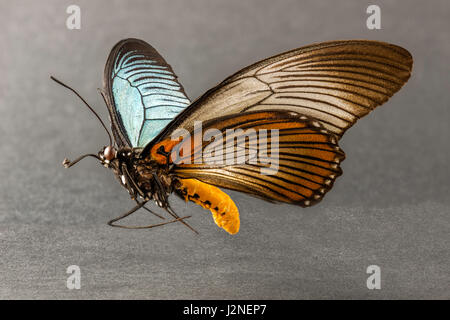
(223, 209)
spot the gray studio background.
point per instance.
(390, 208)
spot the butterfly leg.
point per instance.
(148, 210)
(163, 201)
(173, 214)
(137, 207)
(131, 184)
(134, 185)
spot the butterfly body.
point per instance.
(138, 174)
(270, 130)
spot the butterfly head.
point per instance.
(109, 153)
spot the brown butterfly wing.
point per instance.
(334, 82)
(308, 157)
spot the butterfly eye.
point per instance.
(109, 153)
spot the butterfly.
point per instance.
(282, 117)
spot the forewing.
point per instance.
(141, 91)
(304, 159)
(335, 83)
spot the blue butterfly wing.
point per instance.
(142, 93)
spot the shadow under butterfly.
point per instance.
(310, 96)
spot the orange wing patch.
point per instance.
(307, 157)
(161, 150)
(223, 209)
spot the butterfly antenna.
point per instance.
(90, 108)
(104, 99)
(67, 163)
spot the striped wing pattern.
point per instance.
(308, 157)
(144, 90)
(335, 83)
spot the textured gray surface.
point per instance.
(390, 208)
